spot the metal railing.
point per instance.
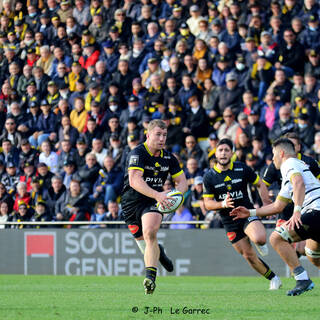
(57, 223)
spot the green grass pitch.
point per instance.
(115, 298)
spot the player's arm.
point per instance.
(137, 182)
(269, 210)
(211, 204)
(263, 192)
(181, 183)
(298, 188)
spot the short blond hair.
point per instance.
(156, 123)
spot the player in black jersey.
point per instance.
(148, 166)
(225, 186)
(273, 175)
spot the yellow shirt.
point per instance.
(78, 120)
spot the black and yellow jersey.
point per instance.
(155, 171)
(235, 180)
(272, 174)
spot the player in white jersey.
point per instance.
(300, 186)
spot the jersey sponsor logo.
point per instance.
(164, 168)
(231, 235)
(238, 169)
(154, 180)
(234, 195)
(134, 160)
(133, 228)
(219, 185)
(166, 157)
(236, 180)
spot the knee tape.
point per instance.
(284, 233)
(312, 254)
(142, 245)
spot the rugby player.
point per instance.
(302, 187)
(272, 175)
(148, 166)
(225, 186)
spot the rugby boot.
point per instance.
(301, 287)
(165, 260)
(149, 286)
(275, 283)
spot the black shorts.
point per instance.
(134, 212)
(235, 228)
(287, 212)
(311, 226)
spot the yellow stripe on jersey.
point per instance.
(177, 174)
(208, 196)
(256, 181)
(146, 146)
(294, 174)
(266, 183)
(283, 199)
(136, 168)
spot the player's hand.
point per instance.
(228, 202)
(163, 199)
(240, 213)
(295, 220)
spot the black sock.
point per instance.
(151, 273)
(269, 274)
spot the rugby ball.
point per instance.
(176, 202)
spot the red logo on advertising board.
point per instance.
(40, 245)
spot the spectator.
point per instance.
(270, 110)
(99, 214)
(194, 201)
(55, 194)
(113, 214)
(49, 157)
(229, 127)
(21, 213)
(76, 206)
(4, 213)
(6, 197)
(11, 178)
(109, 183)
(305, 130)
(22, 196)
(78, 115)
(88, 173)
(283, 125)
(182, 214)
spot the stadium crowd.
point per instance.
(80, 81)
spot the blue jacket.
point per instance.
(66, 60)
(47, 125)
(184, 95)
(113, 178)
(110, 61)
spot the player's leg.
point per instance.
(300, 248)
(257, 234)
(165, 261)
(312, 250)
(279, 240)
(150, 225)
(244, 247)
(310, 230)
